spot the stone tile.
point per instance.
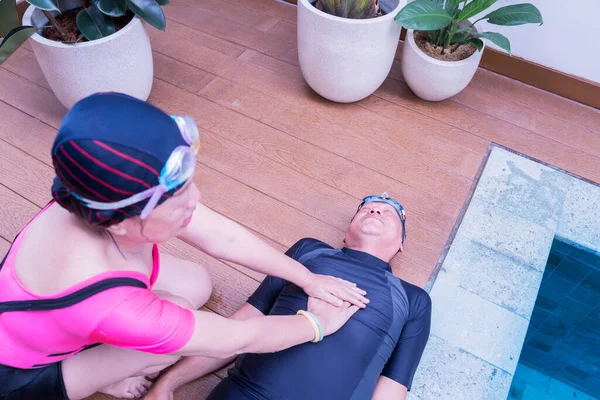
(553, 259)
(586, 256)
(578, 270)
(538, 316)
(532, 393)
(507, 233)
(558, 286)
(476, 325)
(591, 385)
(580, 222)
(592, 281)
(586, 296)
(523, 187)
(493, 276)
(548, 271)
(531, 356)
(449, 372)
(562, 391)
(561, 248)
(546, 304)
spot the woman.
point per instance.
(82, 305)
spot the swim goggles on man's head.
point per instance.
(384, 198)
(180, 167)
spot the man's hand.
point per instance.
(334, 290)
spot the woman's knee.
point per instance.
(193, 284)
(201, 286)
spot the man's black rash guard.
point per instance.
(387, 338)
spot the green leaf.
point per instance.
(423, 15)
(8, 16)
(473, 8)
(94, 24)
(496, 38)
(477, 42)
(517, 14)
(47, 5)
(459, 38)
(14, 39)
(452, 6)
(114, 8)
(149, 11)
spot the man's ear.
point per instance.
(117, 229)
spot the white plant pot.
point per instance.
(342, 59)
(121, 62)
(432, 79)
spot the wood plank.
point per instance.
(4, 247)
(223, 10)
(283, 223)
(333, 207)
(377, 105)
(315, 162)
(31, 98)
(413, 263)
(183, 75)
(526, 117)
(285, 30)
(521, 93)
(275, 8)
(25, 175)
(358, 124)
(20, 58)
(15, 213)
(202, 21)
(549, 103)
(26, 133)
(511, 136)
(271, 64)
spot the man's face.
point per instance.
(376, 221)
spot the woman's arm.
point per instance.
(218, 337)
(225, 239)
(191, 368)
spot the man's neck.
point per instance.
(372, 249)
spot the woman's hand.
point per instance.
(335, 290)
(330, 317)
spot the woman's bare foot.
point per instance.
(129, 388)
(159, 391)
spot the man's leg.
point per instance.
(191, 368)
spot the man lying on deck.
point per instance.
(374, 356)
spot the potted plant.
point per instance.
(443, 47)
(346, 48)
(88, 46)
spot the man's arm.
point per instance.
(396, 378)
(387, 389)
(191, 368)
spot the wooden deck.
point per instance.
(286, 163)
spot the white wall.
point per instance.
(568, 41)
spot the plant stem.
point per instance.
(55, 24)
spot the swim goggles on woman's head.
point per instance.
(384, 198)
(180, 167)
